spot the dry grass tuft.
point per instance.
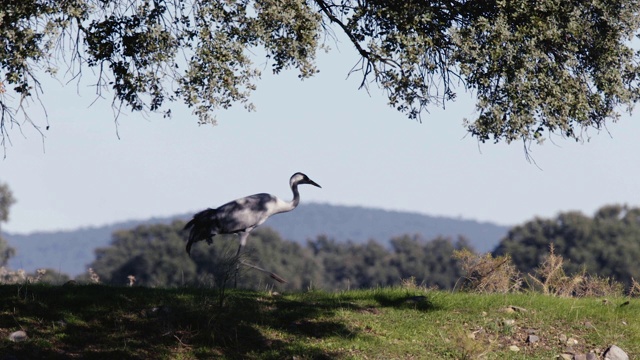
(551, 279)
(486, 274)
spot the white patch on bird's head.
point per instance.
(300, 178)
(297, 178)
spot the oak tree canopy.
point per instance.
(535, 67)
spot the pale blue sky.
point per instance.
(361, 151)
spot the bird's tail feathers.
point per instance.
(201, 227)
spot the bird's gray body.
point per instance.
(247, 213)
(242, 215)
(238, 216)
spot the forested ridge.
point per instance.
(71, 251)
(605, 245)
(155, 256)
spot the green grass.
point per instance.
(103, 322)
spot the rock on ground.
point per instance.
(18, 336)
(615, 353)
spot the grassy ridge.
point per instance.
(103, 322)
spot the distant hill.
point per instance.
(71, 251)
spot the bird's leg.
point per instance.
(272, 275)
(243, 241)
(237, 260)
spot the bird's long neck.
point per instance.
(296, 196)
(284, 206)
(290, 205)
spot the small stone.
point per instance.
(513, 308)
(508, 322)
(514, 348)
(518, 308)
(18, 336)
(60, 323)
(415, 299)
(562, 338)
(572, 341)
(579, 357)
(532, 339)
(565, 356)
(592, 356)
(157, 312)
(615, 353)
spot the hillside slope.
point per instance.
(70, 251)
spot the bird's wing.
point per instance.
(201, 227)
(245, 213)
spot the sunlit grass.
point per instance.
(99, 322)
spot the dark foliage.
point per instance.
(534, 66)
(607, 244)
(155, 256)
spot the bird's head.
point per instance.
(300, 178)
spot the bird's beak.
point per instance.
(311, 182)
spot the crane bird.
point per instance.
(243, 215)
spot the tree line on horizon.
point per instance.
(606, 245)
(155, 255)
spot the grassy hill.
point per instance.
(70, 251)
(101, 322)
